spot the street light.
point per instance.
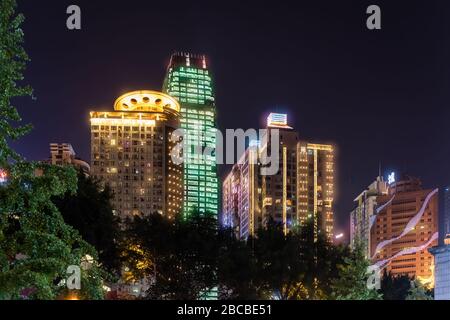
(339, 236)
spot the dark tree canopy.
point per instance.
(185, 258)
(180, 255)
(395, 288)
(89, 211)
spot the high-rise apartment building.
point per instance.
(132, 149)
(315, 181)
(242, 195)
(64, 154)
(189, 80)
(363, 216)
(279, 191)
(301, 189)
(404, 227)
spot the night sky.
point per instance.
(380, 96)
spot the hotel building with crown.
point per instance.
(132, 150)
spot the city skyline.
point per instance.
(404, 133)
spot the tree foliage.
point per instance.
(185, 258)
(13, 59)
(90, 212)
(351, 283)
(36, 246)
(418, 292)
(180, 256)
(395, 287)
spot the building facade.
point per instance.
(279, 191)
(302, 187)
(404, 227)
(132, 150)
(64, 154)
(362, 217)
(442, 272)
(189, 81)
(242, 196)
(315, 186)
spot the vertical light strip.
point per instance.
(315, 196)
(252, 192)
(284, 189)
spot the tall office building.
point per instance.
(302, 188)
(64, 154)
(189, 80)
(404, 227)
(362, 217)
(315, 191)
(132, 149)
(242, 195)
(279, 191)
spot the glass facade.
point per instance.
(189, 81)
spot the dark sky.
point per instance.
(380, 96)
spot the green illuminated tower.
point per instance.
(189, 81)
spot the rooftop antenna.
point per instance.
(379, 171)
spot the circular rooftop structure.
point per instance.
(146, 101)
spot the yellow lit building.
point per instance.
(279, 191)
(315, 186)
(64, 154)
(131, 150)
(301, 189)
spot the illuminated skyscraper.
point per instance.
(302, 187)
(131, 151)
(404, 227)
(279, 191)
(315, 193)
(242, 196)
(363, 216)
(189, 80)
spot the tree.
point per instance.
(296, 266)
(279, 265)
(272, 265)
(236, 268)
(321, 260)
(351, 283)
(13, 60)
(395, 287)
(418, 292)
(36, 246)
(179, 258)
(90, 212)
